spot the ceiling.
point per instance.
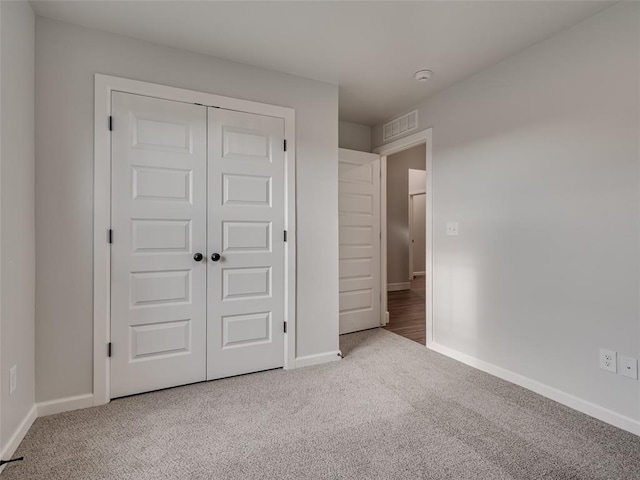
(371, 49)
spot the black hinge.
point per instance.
(285, 145)
(285, 327)
(110, 236)
(109, 349)
(110, 123)
(285, 235)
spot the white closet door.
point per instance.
(245, 318)
(158, 289)
(359, 234)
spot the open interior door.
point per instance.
(359, 238)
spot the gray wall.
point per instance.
(67, 57)
(537, 158)
(398, 166)
(354, 136)
(17, 229)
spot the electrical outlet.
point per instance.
(629, 367)
(452, 229)
(608, 360)
(13, 379)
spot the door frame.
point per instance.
(104, 86)
(411, 200)
(418, 138)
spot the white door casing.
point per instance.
(417, 233)
(246, 206)
(359, 238)
(158, 290)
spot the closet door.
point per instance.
(158, 289)
(245, 308)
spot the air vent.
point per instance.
(400, 126)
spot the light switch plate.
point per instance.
(629, 367)
(452, 229)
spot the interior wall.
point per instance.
(67, 57)
(17, 225)
(354, 136)
(398, 166)
(537, 158)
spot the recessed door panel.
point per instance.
(248, 237)
(161, 236)
(245, 321)
(249, 190)
(158, 291)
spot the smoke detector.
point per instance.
(423, 75)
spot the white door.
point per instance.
(359, 238)
(418, 233)
(245, 320)
(158, 289)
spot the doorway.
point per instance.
(406, 248)
(199, 268)
(407, 286)
(365, 229)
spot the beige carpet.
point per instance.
(390, 410)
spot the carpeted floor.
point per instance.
(390, 410)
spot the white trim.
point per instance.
(384, 320)
(18, 435)
(395, 287)
(104, 85)
(588, 408)
(426, 137)
(317, 359)
(59, 405)
(419, 274)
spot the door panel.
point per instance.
(158, 291)
(245, 317)
(359, 233)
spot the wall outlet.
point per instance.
(13, 379)
(608, 360)
(629, 367)
(452, 229)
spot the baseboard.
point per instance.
(317, 359)
(18, 435)
(588, 408)
(419, 274)
(67, 404)
(394, 287)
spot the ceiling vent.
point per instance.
(400, 126)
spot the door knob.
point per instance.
(215, 257)
(198, 257)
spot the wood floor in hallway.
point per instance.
(407, 312)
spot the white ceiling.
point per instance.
(371, 49)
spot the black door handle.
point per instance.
(198, 257)
(215, 257)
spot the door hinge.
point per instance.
(285, 235)
(285, 327)
(110, 123)
(109, 349)
(285, 145)
(110, 236)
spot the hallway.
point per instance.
(407, 312)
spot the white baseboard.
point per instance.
(588, 408)
(419, 274)
(317, 359)
(17, 437)
(394, 287)
(67, 404)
